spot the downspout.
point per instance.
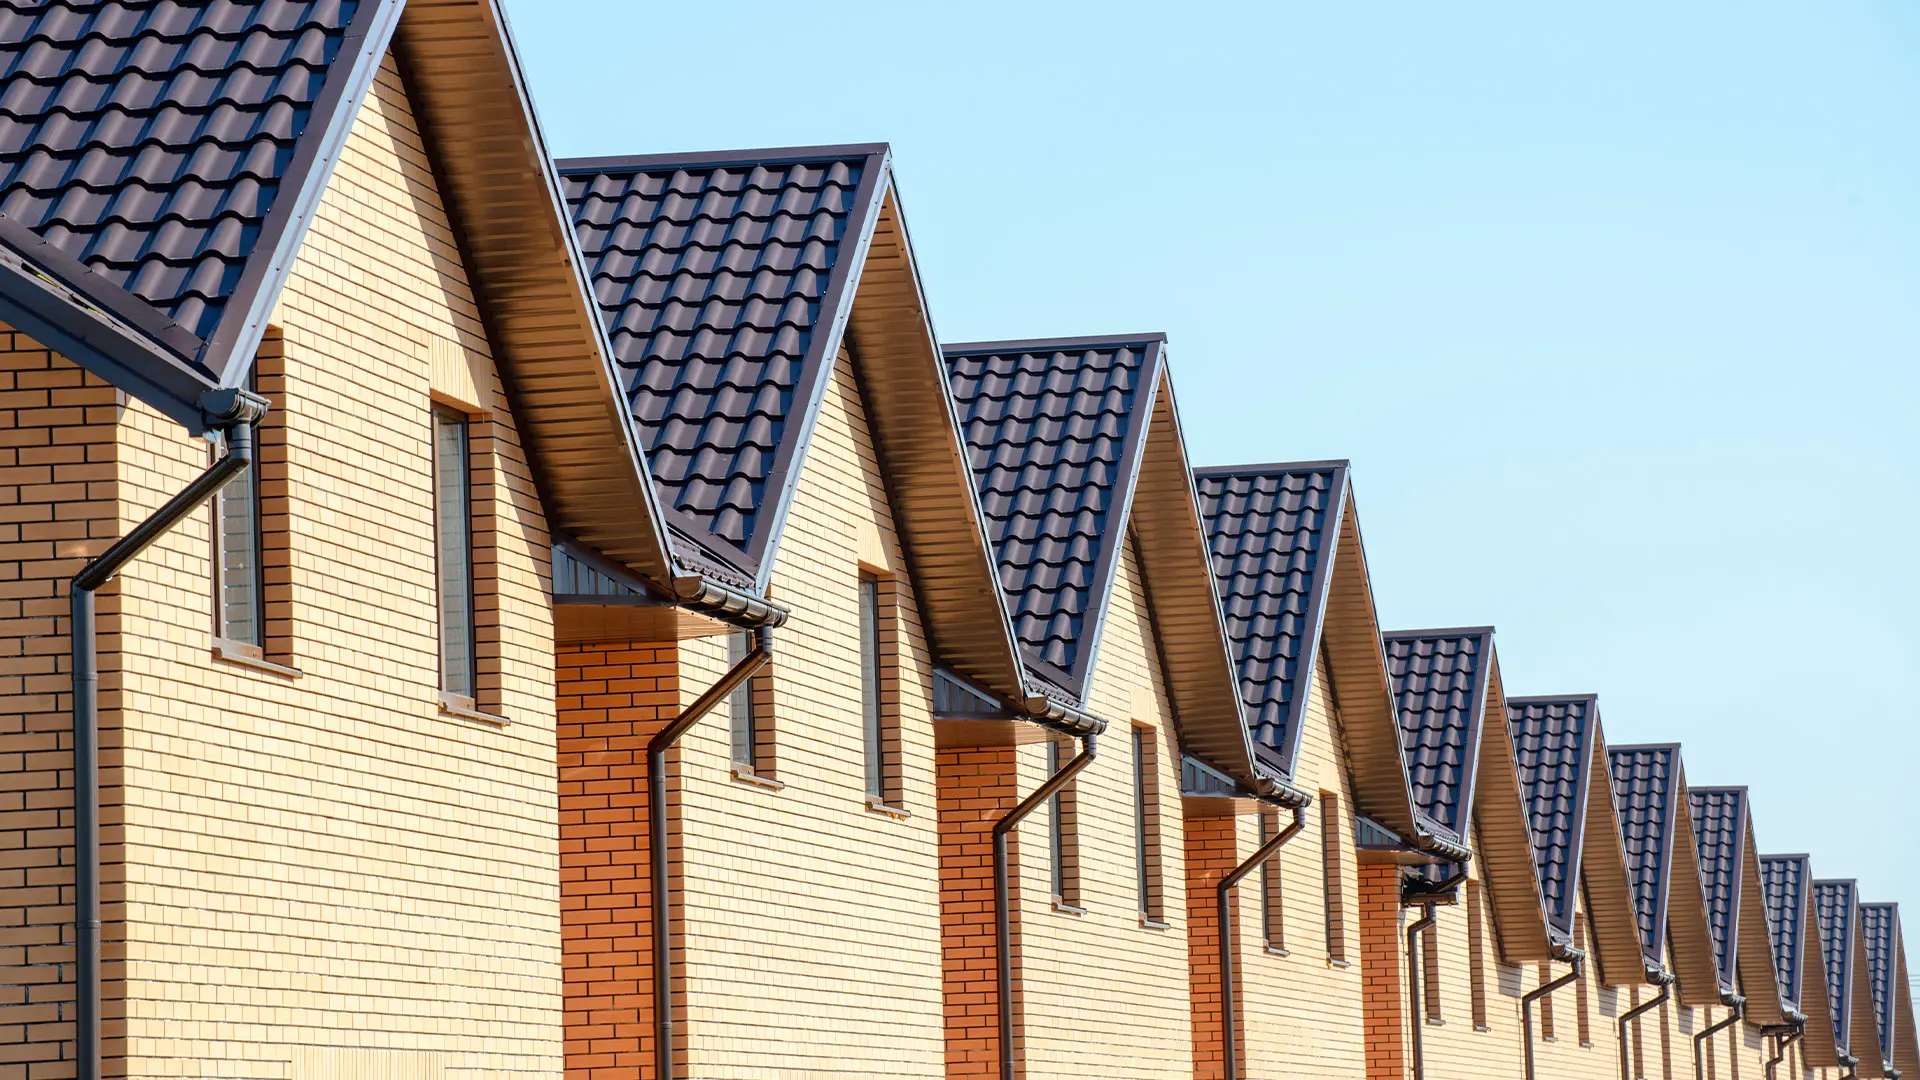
(661, 909)
(1228, 1020)
(1665, 982)
(1737, 1008)
(1416, 993)
(1783, 1038)
(1578, 959)
(1002, 930)
(232, 413)
(1417, 1010)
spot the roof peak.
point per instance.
(715, 159)
(1273, 468)
(1438, 632)
(975, 348)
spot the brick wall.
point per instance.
(1212, 850)
(317, 859)
(1384, 965)
(976, 787)
(58, 460)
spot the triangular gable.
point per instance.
(1292, 577)
(1788, 882)
(1055, 430)
(1560, 753)
(158, 169)
(1887, 977)
(1836, 902)
(725, 282)
(1656, 822)
(1736, 908)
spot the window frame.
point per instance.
(1150, 882)
(1332, 872)
(453, 697)
(1063, 836)
(254, 649)
(1273, 922)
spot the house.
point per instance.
(1445, 1000)
(1569, 1016)
(1080, 468)
(1809, 1043)
(1292, 578)
(323, 834)
(1836, 904)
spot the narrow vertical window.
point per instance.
(1330, 873)
(237, 586)
(1580, 992)
(1477, 955)
(874, 735)
(740, 706)
(1430, 972)
(1146, 825)
(1271, 886)
(453, 533)
(1062, 841)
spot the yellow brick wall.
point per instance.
(328, 861)
(812, 930)
(1303, 1012)
(57, 487)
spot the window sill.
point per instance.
(745, 775)
(886, 809)
(462, 706)
(1276, 950)
(1065, 908)
(248, 656)
(1483, 1028)
(1155, 924)
(1435, 1022)
(1339, 963)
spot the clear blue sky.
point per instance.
(1616, 312)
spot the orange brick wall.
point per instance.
(57, 507)
(610, 698)
(1211, 856)
(1383, 961)
(976, 788)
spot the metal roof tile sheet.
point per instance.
(149, 140)
(1273, 530)
(1439, 685)
(1552, 746)
(1880, 926)
(717, 279)
(1785, 878)
(1646, 781)
(1719, 830)
(1053, 431)
(1833, 904)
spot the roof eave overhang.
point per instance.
(1759, 975)
(1611, 915)
(1505, 836)
(1687, 921)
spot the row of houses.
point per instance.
(466, 614)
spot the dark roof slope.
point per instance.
(1785, 878)
(1719, 829)
(1273, 533)
(1553, 749)
(159, 160)
(721, 278)
(1837, 905)
(1054, 431)
(1440, 684)
(1880, 926)
(1646, 787)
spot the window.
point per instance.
(740, 706)
(1330, 890)
(1581, 1018)
(879, 603)
(870, 688)
(453, 537)
(1146, 825)
(237, 586)
(1063, 849)
(1430, 972)
(1271, 884)
(1477, 954)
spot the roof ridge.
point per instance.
(1273, 467)
(976, 348)
(775, 155)
(1442, 631)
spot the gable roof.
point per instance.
(1850, 1002)
(1736, 908)
(1887, 976)
(1292, 577)
(159, 164)
(1656, 824)
(1461, 768)
(1055, 430)
(1066, 439)
(1788, 881)
(1560, 754)
(725, 282)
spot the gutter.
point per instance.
(232, 413)
(1229, 1019)
(1738, 1009)
(1664, 981)
(660, 910)
(728, 603)
(1573, 956)
(1002, 920)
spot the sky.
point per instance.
(1616, 311)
